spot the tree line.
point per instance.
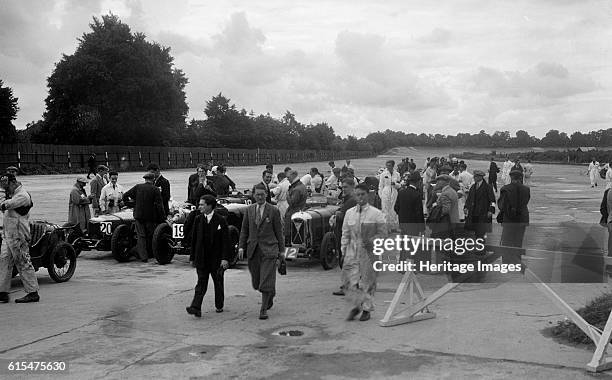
(118, 88)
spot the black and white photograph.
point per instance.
(267, 189)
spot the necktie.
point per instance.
(258, 216)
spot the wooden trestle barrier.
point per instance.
(418, 303)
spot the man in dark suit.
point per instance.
(479, 206)
(409, 209)
(513, 200)
(493, 170)
(95, 188)
(210, 248)
(194, 180)
(148, 212)
(262, 236)
(163, 184)
(266, 178)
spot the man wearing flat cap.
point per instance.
(12, 170)
(95, 188)
(409, 209)
(148, 212)
(78, 204)
(479, 206)
(16, 237)
(514, 214)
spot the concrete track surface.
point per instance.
(128, 320)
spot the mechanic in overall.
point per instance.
(348, 201)
(78, 204)
(111, 197)
(296, 198)
(16, 238)
(95, 188)
(362, 224)
(211, 253)
(262, 236)
(163, 184)
(148, 212)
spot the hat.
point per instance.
(102, 167)
(444, 177)
(479, 172)
(12, 168)
(149, 175)
(82, 179)
(516, 173)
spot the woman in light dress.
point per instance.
(389, 183)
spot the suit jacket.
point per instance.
(409, 208)
(192, 185)
(479, 201)
(210, 242)
(449, 201)
(268, 234)
(148, 205)
(516, 196)
(95, 187)
(164, 185)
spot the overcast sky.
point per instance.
(362, 66)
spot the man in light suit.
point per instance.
(262, 235)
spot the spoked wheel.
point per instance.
(234, 237)
(163, 243)
(121, 243)
(328, 252)
(62, 262)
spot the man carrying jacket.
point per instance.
(148, 212)
(16, 237)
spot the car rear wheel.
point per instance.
(162, 241)
(234, 238)
(328, 252)
(62, 262)
(121, 243)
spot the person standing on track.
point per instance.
(91, 162)
(262, 236)
(164, 186)
(95, 188)
(15, 250)
(593, 172)
(78, 204)
(111, 197)
(493, 170)
(389, 183)
(148, 211)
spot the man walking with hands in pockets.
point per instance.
(262, 235)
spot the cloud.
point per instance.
(546, 79)
(238, 37)
(437, 36)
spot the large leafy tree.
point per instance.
(8, 113)
(117, 88)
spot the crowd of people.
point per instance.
(401, 198)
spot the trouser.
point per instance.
(16, 252)
(593, 178)
(144, 231)
(359, 280)
(493, 182)
(263, 272)
(609, 239)
(512, 236)
(202, 286)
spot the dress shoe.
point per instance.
(219, 310)
(192, 310)
(338, 292)
(4, 297)
(353, 313)
(30, 297)
(364, 316)
(263, 314)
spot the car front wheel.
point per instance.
(162, 241)
(121, 243)
(328, 252)
(62, 262)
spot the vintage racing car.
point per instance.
(49, 249)
(309, 228)
(170, 238)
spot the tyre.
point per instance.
(162, 239)
(328, 252)
(234, 238)
(121, 243)
(72, 236)
(62, 262)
